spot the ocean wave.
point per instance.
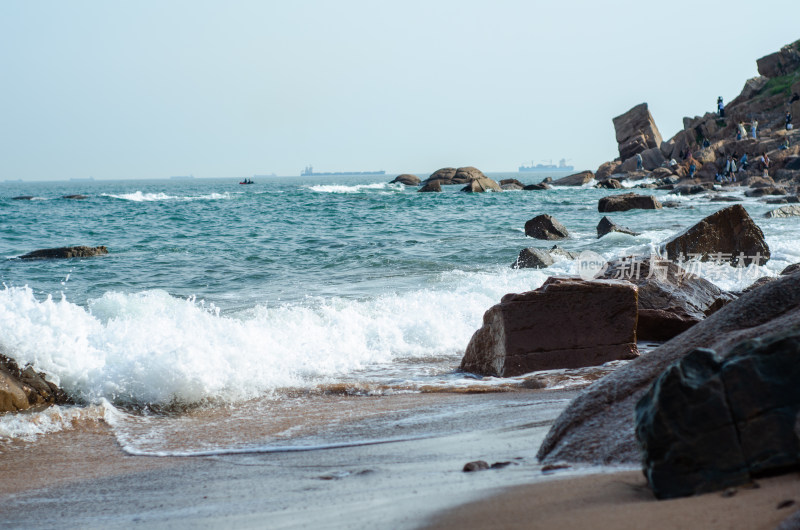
(27, 427)
(358, 188)
(138, 196)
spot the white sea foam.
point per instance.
(138, 196)
(29, 426)
(152, 348)
(337, 188)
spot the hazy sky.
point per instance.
(151, 89)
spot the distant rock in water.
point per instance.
(22, 198)
(539, 258)
(434, 186)
(578, 179)
(75, 197)
(566, 323)
(545, 227)
(628, 201)
(606, 226)
(535, 187)
(22, 389)
(511, 184)
(481, 185)
(66, 252)
(785, 211)
(727, 235)
(450, 175)
(407, 180)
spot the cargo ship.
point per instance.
(309, 172)
(562, 166)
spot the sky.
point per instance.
(152, 89)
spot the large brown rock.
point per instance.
(450, 175)
(636, 131)
(66, 252)
(607, 169)
(598, 426)
(545, 227)
(406, 179)
(627, 201)
(431, 187)
(481, 185)
(566, 323)
(578, 179)
(671, 300)
(780, 63)
(21, 389)
(729, 235)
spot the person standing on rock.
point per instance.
(740, 131)
(638, 161)
(754, 129)
(788, 120)
(743, 164)
(764, 164)
(720, 107)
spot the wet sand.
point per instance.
(622, 501)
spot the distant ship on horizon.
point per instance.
(562, 166)
(309, 172)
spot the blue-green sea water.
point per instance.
(215, 292)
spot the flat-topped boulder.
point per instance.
(66, 252)
(729, 235)
(545, 227)
(481, 185)
(566, 323)
(628, 201)
(671, 300)
(406, 179)
(577, 179)
(450, 175)
(75, 197)
(636, 132)
(606, 226)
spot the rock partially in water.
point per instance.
(477, 465)
(22, 198)
(450, 175)
(433, 187)
(22, 389)
(578, 179)
(66, 252)
(729, 235)
(566, 323)
(406, 179)
(536, 187)
(606, 226)
(545, 227)
(627, 201)
(784, 211)
(481, 185)
(533, 258)
(75, 197)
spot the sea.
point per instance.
(233, 318)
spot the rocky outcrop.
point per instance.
(610, 184)
(783, 62)
(407, 180)
(481, 185)
(545, 227)
(22, 389)
(606, 226)
(729, 235)
(598, 425)
(707, 424)
(566, 323)
(66, 252)
(539, 258)
(431, 187)
(450, 175)
(607, 170)
(671, 300)
(540, 186)
(75, 197)
(636, 132)
(627, 201)
(511, 184)
(784, 211)
(22, 198)
(578, 179)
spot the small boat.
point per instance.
(247, 181)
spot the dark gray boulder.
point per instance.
(22, 198)
(536, 187)
(75, 197)
(606, 226)
(533, 258)
(545, 227)
(627, 201)
(406, 179)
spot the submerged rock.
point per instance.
(627, 201)
(729, 235)
(66, 252)
(434, 187)
(22, 198)
(545, 227)
(22, 389)
(75, 197)
(566, 323)
(535, 187)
